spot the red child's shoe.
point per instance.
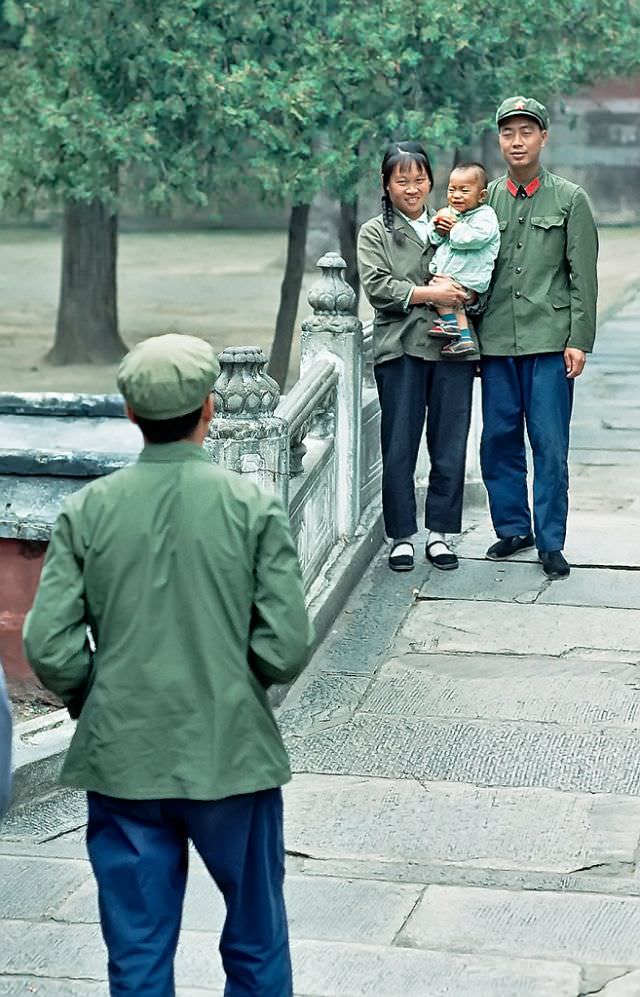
(458, 349)
(444, 330)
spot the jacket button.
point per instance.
(521, 220)
(518, 245)
(518, 269)
(517, 294)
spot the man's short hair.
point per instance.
(479, 169)
(169, 430)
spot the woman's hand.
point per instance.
(443, 291)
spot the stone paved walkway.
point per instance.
(465, 818)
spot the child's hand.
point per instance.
(444, 220)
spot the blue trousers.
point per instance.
(408, 388)
(533, 391)
(138, 850)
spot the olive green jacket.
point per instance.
(544, 289)
(389, 272)
(189, 581)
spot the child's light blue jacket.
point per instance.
(468, 252)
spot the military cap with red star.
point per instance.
(527, 106)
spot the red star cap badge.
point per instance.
(520, 106)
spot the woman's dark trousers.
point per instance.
(409, 389)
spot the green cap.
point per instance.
(167, 376)
(527, 106)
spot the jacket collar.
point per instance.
(170, 453)
(401, 223)
(514, 188)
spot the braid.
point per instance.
(388, 219)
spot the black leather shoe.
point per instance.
(445, 562)
(554, 564)
(402, 561)
(508, 546)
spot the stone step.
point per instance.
(483, 753)
(578, 928)
(513, 581)
(533, 689)
(403, 821)
(513, 629)
(45, 817)
(321, 969)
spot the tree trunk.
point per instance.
(87, 323)
(348, 243)
(289, 294)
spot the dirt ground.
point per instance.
(223, 286)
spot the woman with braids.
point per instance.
(412, 376)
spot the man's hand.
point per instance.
(574, 361)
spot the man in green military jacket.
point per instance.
(535, 334)
(187, 579)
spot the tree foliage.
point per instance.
(181, 98)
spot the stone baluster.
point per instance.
(334, 332)
(245, 435)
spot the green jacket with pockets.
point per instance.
(389, 271)
(544, 290)
(188, 578)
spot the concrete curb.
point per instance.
(40, 744)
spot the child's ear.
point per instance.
(483, 194)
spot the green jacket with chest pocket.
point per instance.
(188, 577)
(544, 290)
(389, 271)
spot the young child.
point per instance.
(467, 235)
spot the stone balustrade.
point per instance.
(317, 448)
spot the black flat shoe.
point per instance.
(445, 562)
(508, 546)
(401, 561)
(554, 564)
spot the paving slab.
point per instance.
(325, 698)
(597, 538)
(603, 760)
(557, 926)
(485, 581)
(499, 628)
(627, 985)
(404, 821)
(322, 970)
(331, 908)
(34, 887)
(39, 948)
(500, 687)
(490, 581)
(27, 986)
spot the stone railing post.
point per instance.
(245, 435)
(335, 333)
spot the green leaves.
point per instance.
(169, 92)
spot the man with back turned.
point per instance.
(187, 576)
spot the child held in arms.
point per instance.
(467, 235)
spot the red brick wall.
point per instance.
(20, 566)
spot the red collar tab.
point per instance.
(529, 190)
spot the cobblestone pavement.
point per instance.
(465, 817)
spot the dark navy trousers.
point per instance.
(139, 853)
(408, 388)
(533, 391)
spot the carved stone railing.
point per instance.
(317, 447)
